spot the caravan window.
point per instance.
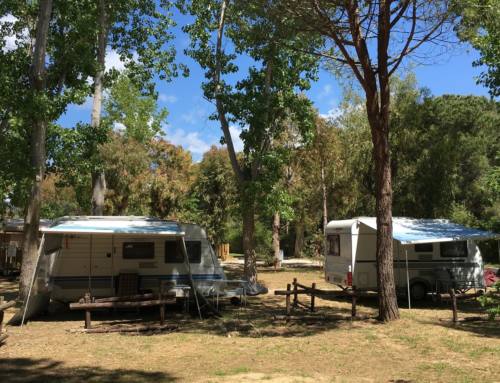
(453, 249)
(173, 251)
(194, 251)
(333, 243)
(138, 250)
(424, 248)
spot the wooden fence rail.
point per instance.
(4, 306)
(132, 301)
(314, 292)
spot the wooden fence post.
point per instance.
(87, 312)
(1, 315)
(295, 295)
(288, 290)
(454, 305)
(313, 289)
(353, 309)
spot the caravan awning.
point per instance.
(410, 231)
(114, 225)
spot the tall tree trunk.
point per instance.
(388, 305)
(325, 206)
(299, 238)
(98, 177)
(387, 302)
(38, 155)
(250, 268)
(378, 117)
(276, 239)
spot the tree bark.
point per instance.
(250, 267)
(98, 177)
(388, 304)
(325, 202)
(38, 155)
(276, 239)
(325, 207)
(299, 238)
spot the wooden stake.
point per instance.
(87, 311)
(1, 314)
(353, 309)
(454, 305)
(288, 287)
(313, 288)
(295, 295)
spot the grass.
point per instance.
(259, 345)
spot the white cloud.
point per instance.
(194, 116)
(168, 98)
(235, 134)
(119, 127)
(189, 140)
(114, 61)
(332, 114)
(11, 40)
(325, 91)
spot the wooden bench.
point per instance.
(4, 306)
(131, 301)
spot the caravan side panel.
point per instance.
(339, 261)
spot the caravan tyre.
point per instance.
(418, 291)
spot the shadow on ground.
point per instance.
(486, 328)
(27, 370)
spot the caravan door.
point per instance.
(338, 262)
(101, 266)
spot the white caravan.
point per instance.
(88, 254)
(429, 255)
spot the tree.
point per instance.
(259, 102)
(37, 143)
(125, 162)
(372, 39)
(98, 177)
(215, 193)
(137, 114)
(480, 26)
(171, 179)
(131, 119)
(139, 31)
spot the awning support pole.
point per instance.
(188, 266)
(40, 248)
(407, 279)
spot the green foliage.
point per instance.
(138, 114)
(480, 26)
(491, 301)
(170, 180)
(265, 101)
(215, 193)
(74, 155)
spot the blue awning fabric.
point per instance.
(114, 225)
(411, 231)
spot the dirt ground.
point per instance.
(257, 344)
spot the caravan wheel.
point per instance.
(418, 291)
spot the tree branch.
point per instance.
(218, 99)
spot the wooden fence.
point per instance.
(4, 306)
(295, 289)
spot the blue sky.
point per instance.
(188, 124)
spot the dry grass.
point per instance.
(258, 345)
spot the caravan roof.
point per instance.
(15, 225)
(114, 225)
(412, 230)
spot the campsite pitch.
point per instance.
(259, 344)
